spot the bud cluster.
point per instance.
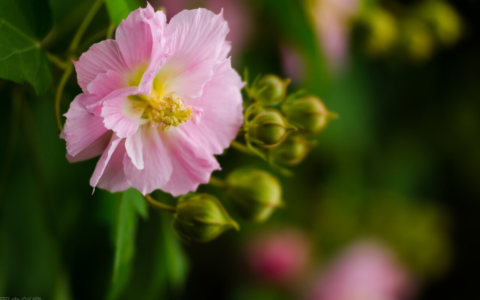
(277, 126)
(413, 34)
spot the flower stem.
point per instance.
(159, 205)
(58, 96)
(217, 182)
(241, 147)
(83, 27)
(57, 61)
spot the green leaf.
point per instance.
(119, 9)
(170, 264)
(132, 205)
(21, 58)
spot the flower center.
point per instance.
(165, 111)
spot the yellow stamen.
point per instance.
(166, 111)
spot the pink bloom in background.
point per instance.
(279, 256)
(366, 271)
(157, 103)
(332, 21)
(293, 63)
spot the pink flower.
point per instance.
(365, 271)
(158, 102)
(279, 256)
(332, 21)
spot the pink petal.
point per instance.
(140, 38)
(106, 83)
(222, 111)
(196, 39)
(99, 59)
(104, 159)
(158, 167)
(113, 178)
(192, 164)
(121, 114)
(134, 149)
(81, 128)
(94, 149)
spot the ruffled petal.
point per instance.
(158, 166)
(122, 115)
(222, 111)
(195, 39)
(134, 149)
(106, 83)
(81, 128)
(113, 178)
(140, 39)
(192, 164)
(94, 149)
(99, 59)
(104, 159)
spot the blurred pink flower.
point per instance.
(366, 271)
(279, 256)
(293, 63)
(235, 13)
(157, 103)
(332, 22)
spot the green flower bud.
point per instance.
(444, 22)
(377, 31)
(253, 193)
(268, 129)
(201, 218)
(416, 41)
(270, 90)
(308, 114)
(293, 150)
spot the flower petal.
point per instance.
(195, 39)
(99, 59)
(134, 149)
(94, 149)
(106, 83)
(222, 111)
(140, 39)
(158, 167)
(81, 128)
(104, 159)
(192, 164)
(122, 115)
(113, 178)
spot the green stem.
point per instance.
(159, 205)
(58, 96)
(57, 61)
(241, 147)
(217, 182)
(83, 27)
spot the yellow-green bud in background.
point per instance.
(293, 150)
(270, 90)
(443, 21)
(308, 114)
(201, 218)
(268, 129)
(416, 41)
(254, 194)
(377, 31)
